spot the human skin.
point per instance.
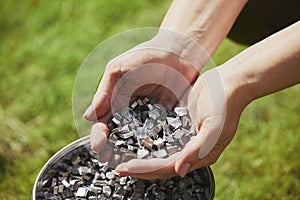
(204, 22)
(207, 23)
(264, 68)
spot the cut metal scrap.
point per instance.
(162, 153)
(143, 130)
(106, 190)
(174, 123)
(81, 192)
(147, 142)
(154, 113)
(154, 131)
(181, 111)
(158, 143)
(142, 153)
(126, 135)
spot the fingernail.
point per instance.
(117, 173)
(184, 169)
(88, 111)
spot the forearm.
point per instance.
(266, 67)
(206, 21)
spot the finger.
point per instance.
(114, 161)
(102, 99)
(199, 147)
(188, 156)
(155, 168)
(210, 159)
(98, 137)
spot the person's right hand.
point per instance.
(146, 70)
(215, 104)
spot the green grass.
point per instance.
(43, 43)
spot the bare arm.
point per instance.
(206, 21)
(268, 66)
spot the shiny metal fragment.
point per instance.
(174, 123)
(134, 105)
(65, 183)
(126, 135)
(158, 143)
(142, 153)
(110, 175)
(154, 113)
(181, 111)
(154, 131)
(123, 180)
(178, 134)
(162, 153)
(120, 143)
(106, 190)
(147, 142)
(172, 149)
(81, 192)
(149, 123)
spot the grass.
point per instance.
(43, 43)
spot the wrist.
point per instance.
(237, 85)
(189, 49)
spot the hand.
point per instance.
(146, 70)
(215, 105)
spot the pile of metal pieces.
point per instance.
(142, 130)
(79, 176)
(148, 130)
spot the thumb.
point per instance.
(102, 98)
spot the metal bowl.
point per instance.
(45, 172)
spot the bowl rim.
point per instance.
(83, 141)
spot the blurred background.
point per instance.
(42, 45)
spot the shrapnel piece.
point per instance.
(162, 153)
(174, 123)
(181, 111)
(81, 192)
(148, 142)
(142, 153)
(158, 143)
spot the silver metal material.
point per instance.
(142, 153)
(75, 173)
(174, 123)
(106, 190)
(149, 123)
(181, 111)
(65, 183)
(110, 175)
(172, 149)
(134, 105)
(154, 113)
(81, 192)
(126, 135)
(162, 153)
(159, 143)
(178, 134)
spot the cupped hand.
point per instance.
(146, 70)
(215, 104)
